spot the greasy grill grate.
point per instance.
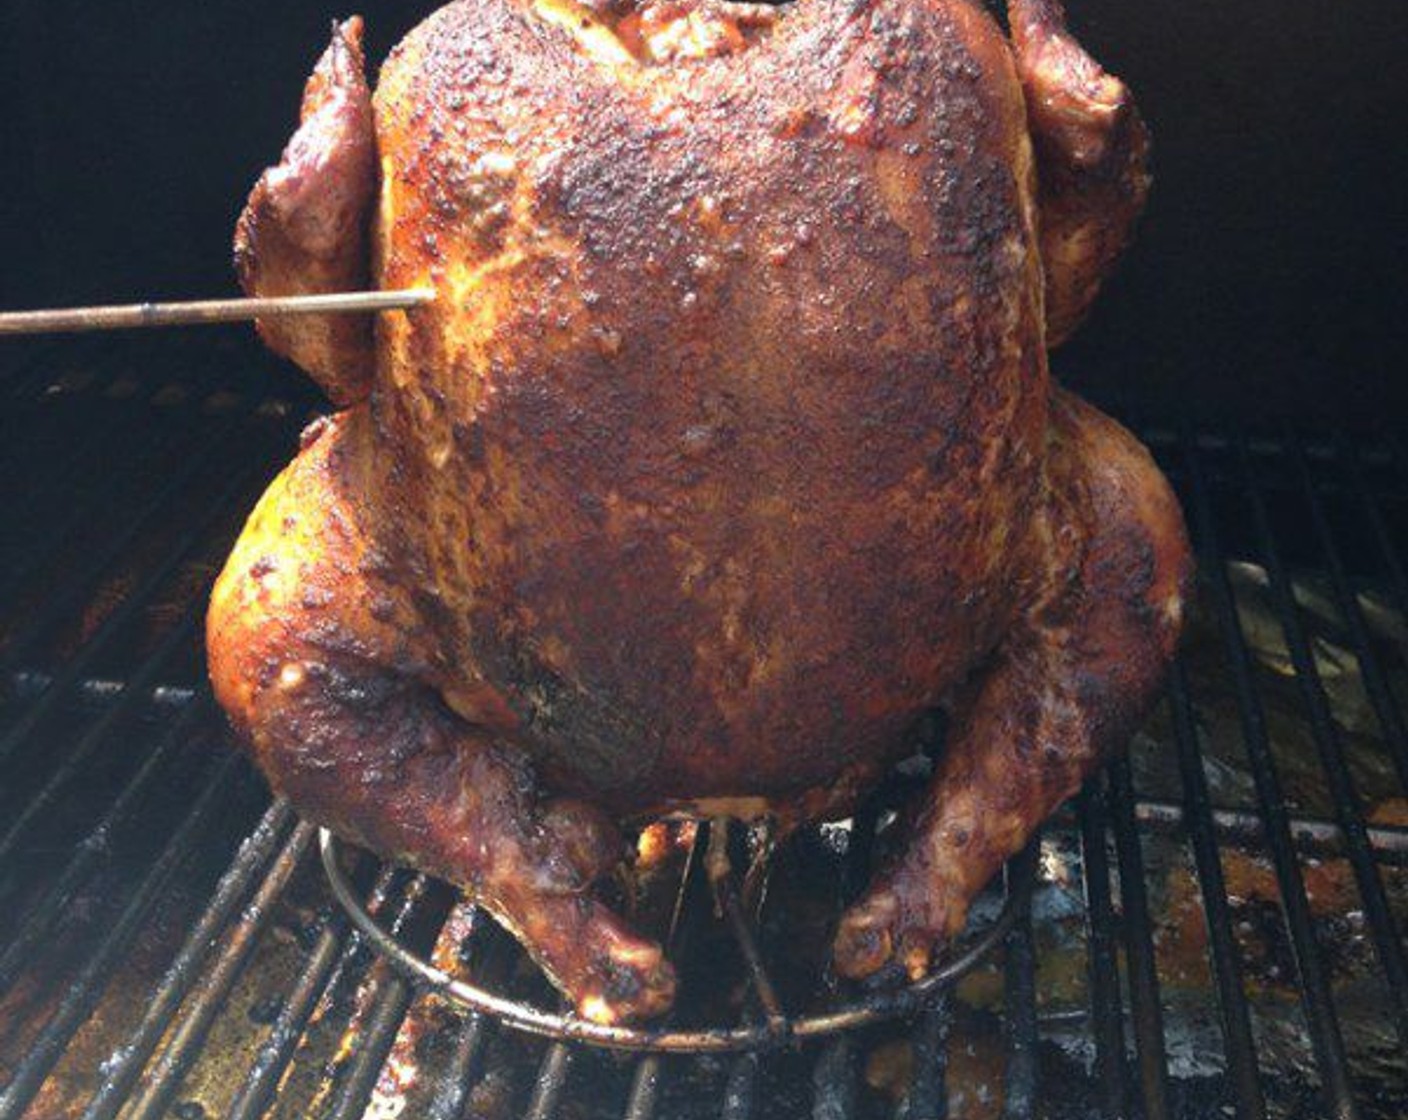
(1217, 927)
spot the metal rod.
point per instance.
(645, 1089)
(1325, 1034)
(1383, 538)
(176, 553)
(835, 1081)
(124, 1065)
(1217, 912)
(195, 312)
(725, 888)
(1372, 673)
(187, 1038)
(648, 1077)
(1386, 935)
(492, 957)
(276, 1051)
(1144, 1002)
(740, 1090)
(36, 923)
(462, 1068)
(391, 996)
(1106, 1014)
(37, 806)
(384, 1023)
(834, 1075)
(1240, 828)
(40, 622)
(927, 1098)
(741, 1087)
(551, 1081)
(92, 980)
(1021, 1088)
(27, 685)
(325, 964)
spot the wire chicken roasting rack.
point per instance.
(773, 1026)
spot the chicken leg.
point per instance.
(1064, 691)
(315, 655)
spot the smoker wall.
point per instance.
(1268, 276)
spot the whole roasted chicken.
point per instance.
(726, 450)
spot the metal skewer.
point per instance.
(206, 311)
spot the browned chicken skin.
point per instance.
(305, 229)
(727, 450)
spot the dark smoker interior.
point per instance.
(1267, 275)
(1217, 926)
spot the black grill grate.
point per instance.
(1218, 930)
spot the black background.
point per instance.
(1268, 279)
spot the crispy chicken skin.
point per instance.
(726, 451)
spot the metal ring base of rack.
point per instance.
(871, 1009)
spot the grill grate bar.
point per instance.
(1226, 967)
(36, 924)
(645, 1088)
(1019, 1006)
(84, 992)
(834, 1075)
(165, 1078)
(138, 600)
(1145, 1007)
(462, 1069)
(50, 616)
(68, 459)
(1240, 829)
(475, 1030)
(29, 684)
(1398, 578)
(741, 1087)
(1371, 670)
(1321, 1019)
(329, 958)
(1387, 939)
(123, 1067)
(927, 1098)
(835, 1081)
(1107, 1017)
(392, 1000)
(38, 804)
(648, 1075)
(742, 1080)
(552, 1080)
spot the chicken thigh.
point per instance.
(726, 451)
